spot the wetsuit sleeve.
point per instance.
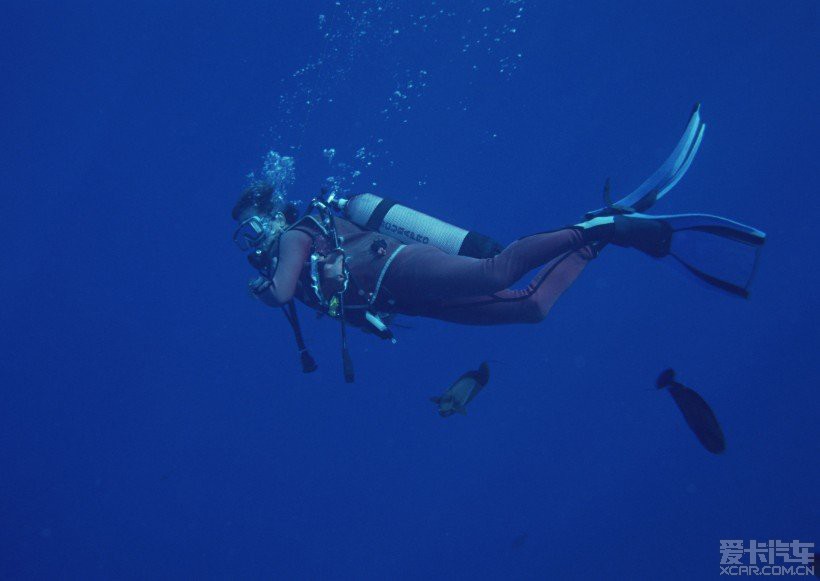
(294, 249)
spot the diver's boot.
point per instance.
(651, 236)
(597, 232)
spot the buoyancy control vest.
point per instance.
(373, 231)
(367, 256)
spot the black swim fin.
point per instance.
(717, 251)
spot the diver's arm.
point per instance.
(294, 249)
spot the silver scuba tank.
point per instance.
(410, 226)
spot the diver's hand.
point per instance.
(259, 285)
(333, 273)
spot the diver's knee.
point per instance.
(498, 280)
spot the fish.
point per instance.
(698, 415)
(519, 541)
(462, 392)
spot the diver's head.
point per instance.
(260, 198)
(262, 216)
(258, 231)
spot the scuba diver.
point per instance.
(366, 259)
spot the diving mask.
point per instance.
(251, 233)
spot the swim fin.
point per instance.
(666, 176)
(717, 251)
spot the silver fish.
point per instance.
(462, 392)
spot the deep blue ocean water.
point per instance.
(154, 422)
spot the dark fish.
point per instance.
(697, 413)
(519, 541)
(462, 392)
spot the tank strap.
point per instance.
(383, 272)
(377, 217)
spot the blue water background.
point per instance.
(153, 419)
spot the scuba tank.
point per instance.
(410, 226)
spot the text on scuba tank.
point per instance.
(390, 228)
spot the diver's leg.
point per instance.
(530, 305)
(421, 274)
